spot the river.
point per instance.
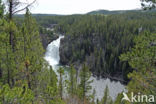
(53, 58)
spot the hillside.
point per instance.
(107, 12)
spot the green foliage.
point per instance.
(99, 40)
(119, 98)
(61, 82)
(21, 95)
(30, 51)
(93, 97)
(106, 98)
(24, 75)
(8, 63)
(84, 86)
(72, 82)
(142, 59)
(1, 9)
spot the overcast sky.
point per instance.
(81, 6)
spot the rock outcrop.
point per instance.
(46, 39)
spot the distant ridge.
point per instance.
(107, 12)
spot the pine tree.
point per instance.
(48, 87)
(93, 96)
(72, 82)
(84, 86)
(8, 65)
(22, 73)
(1, 9)
(61, 84)
(142, 59)
(20, 95)
(106, 98)
(22, 67)
(1, 49)
(53, 78)
(30, 50)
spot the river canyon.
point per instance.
(52, 56)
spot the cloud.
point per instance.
(81, 6)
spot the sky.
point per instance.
(81, 6)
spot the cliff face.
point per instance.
(65, 51)
(95, 52)
(46, 39)
(79, 50)
(48, 35)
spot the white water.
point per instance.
(53, 58)
(52, 53)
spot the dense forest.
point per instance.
(119, 46)
(99, 40)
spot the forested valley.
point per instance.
(99, 40)
(118, 46)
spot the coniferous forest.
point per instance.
(117, 45)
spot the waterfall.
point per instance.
(52, 53)
(52, 56)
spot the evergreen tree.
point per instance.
(22, 65)
(61, 84)
(93, 96)
(16, 95)
(8, 64)
(84, 86)
(1, 9)
(53, 78)
(103, 39)
(31, 50)
(72, 82)
(48, 87)
(142, 59)
(106, 98)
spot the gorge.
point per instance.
(52, 56)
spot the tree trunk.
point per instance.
(10, 9)
(11, 33)
(8, 68)
(11, 38)
(28, 76)
(0, 71)
(61, 87)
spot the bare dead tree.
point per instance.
(14, 7)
